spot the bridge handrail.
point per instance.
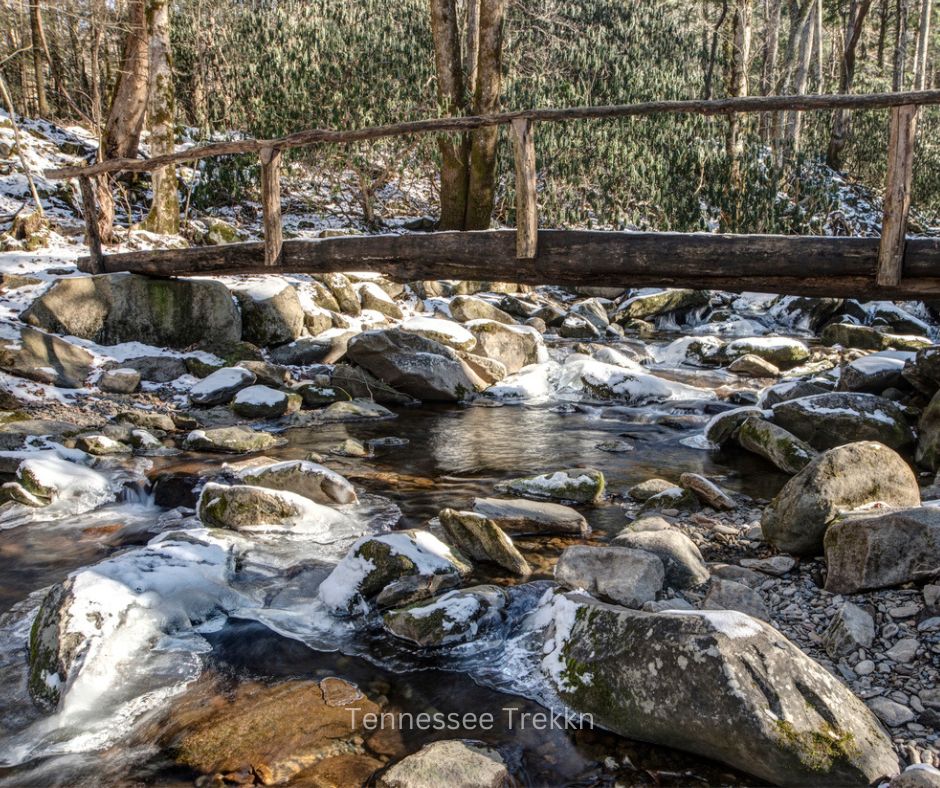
(903, 106)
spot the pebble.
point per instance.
(865, 667)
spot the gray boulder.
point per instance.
(867, 551)
(836, 418)
(50, 359)
(619, 574)
(707, 491)
(649, 305)
(760, 704)
(681, 559)
(923, 371)
(775, 444)
(231, 440)
(731, 595)
(120, 381)
(480, 539)
(221, 386)
(114, 308)
(305, 478)
(580, 485)
(782, 352)
(343, 292)
(841, 479)
(157, 369)
(927, 454)
(271, 312)
(264, 402)
(520, 516)
(241, 506)
(721, 428)
(873, 374)
(850, 335)
(466, 308)
(454, 764)
(415, 365)
(513, 346)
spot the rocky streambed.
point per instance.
(254, 528)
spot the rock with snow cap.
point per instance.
(580, 485)
(454, 617)
(303, 477)
(221, 386)
(264, 402)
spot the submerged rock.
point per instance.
(244, 507)
(520, 516)
(842, 479)
(420, 367)
(454, 617)
(761, 705)
(454, 764)
(376, 563)
(230, 440)
(305, 478)
(867, 551)
(580, 485)
(836, 418)
(114, 308)
(480, 539)
(622, 575)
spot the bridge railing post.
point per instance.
(527, 218)
(271, 205)
(897, 202)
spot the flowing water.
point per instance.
(274, 629)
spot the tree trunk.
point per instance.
(818, 46)
(455, 149)
(739, 62)
(800, 19)
(923, 44)
(129, 105)
(771, 48)
(164, 216)
(481, 188)
(841, 119)
(39, 48)
(900, 45)
(794, 122)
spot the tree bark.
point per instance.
(164, 216)
(39, 48)
(129, 104)
(901, 42)
(771, 48)
(923, 44)
(481, 187)
(739, 62)
(841, 119)
(804, 49)
(454, 149)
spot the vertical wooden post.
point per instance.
(90, 215)
(897, 194)
(527, 217)
(271, 205)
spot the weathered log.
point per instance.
(527, 217)
(797, 265)
(90, 215)
(271, 205)
(897, 204)
(460, 124)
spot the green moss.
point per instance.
(818, 749)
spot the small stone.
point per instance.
(351, 448)
(120, 381)
(904, 650)
(777, 565)
(454, 764)
(865, 667)
(890, 712)
(904, 611)
(917, 775)
(851, 628)
(753, 366)
(101, 445)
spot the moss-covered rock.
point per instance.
(649, 305)
(231, 440)
(761, 705)
(775, 444)
(305, 478)
(480, 539)
(454, 617)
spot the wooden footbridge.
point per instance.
(893, 266)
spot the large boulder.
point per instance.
(775, 444)
(513, 346)
(580, 485)
(447, 332)
(874, 373)
(373, 297)
(51, 359)
(466, 308)
(881, 550)
(850, 335)
(264, 402)
(376, 565)
(231, 440)
(928, 439)
(782, 352)
(415, 365)
(520, 516)
(271, 312)
(480, 539)
(305, 478)
(836, 418)
(647, 305)
(681, 559)
(221, 386)
(760, 704)
(620, 574)
(841, 479)
(114, 308)
(242, 507)
(923, 371)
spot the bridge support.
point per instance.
(897, 194)
(271, 205)
(527, 217)
(90, 215)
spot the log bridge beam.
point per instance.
(794, 265)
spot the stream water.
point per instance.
(271, 632)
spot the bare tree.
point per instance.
(164, 216)
(129, 104)
(39, 50)
(901, 43)
(841, 120)
(923, 44)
